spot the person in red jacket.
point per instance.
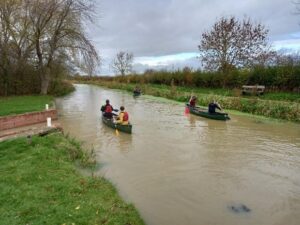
(193, 101)
(123, 117)
(107, 110)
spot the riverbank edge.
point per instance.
(269, 109)
(77, 160)
(33, 189)
(27, 119)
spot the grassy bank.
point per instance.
(286, 110)
(22, 104)
(276, 96)
(166, 79)
(41, 185)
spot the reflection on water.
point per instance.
(183, 169)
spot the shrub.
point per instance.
(60, 88)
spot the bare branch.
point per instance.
(122, 63)
(233, 44)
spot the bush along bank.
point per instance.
(270, 108)
(40, 184)
(277, 78)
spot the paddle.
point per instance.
(117, 132)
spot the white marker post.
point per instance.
(47, 106)
(49, 122)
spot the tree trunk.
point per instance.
(45, 81)
(5, 88)
(5, 81)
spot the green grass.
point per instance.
(233, 92)
(216, 91)
(22, 104)
(285, 110)
(282, 96)
(40, 184)
(276, 96)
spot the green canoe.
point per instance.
(119, 127)
(136, 93)
(204, 113)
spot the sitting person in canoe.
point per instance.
(193, 101)
(123, 117)
(213, 106)
(137, 91)
(107, 110)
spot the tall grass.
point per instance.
(269, 108)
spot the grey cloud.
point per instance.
(174, 65)
(163, 27)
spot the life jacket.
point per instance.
(108, 109)
(125, 117)
(193, 102)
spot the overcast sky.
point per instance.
(166, 33)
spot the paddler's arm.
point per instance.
(120, 118)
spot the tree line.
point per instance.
(232, 53)
(41, 41)
(275, 78)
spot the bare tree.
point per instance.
(233, 44)
(122, 64)
(42, 35)
(15, 44)
(58, 29)
(6, 14)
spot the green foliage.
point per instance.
(282, 96)
(27, 82)
(275, 78)
(22, 104)
(59, 87)
(21, 81)
(254, 105)
(40, 185)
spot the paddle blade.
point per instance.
(186, 111)
(117, 132)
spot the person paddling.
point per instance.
(137, 90)
(123, 117)
(107, 110)
(213, 106)
(193, 101)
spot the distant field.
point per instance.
(22, 104)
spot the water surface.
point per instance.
(182, 169)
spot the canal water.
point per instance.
(182, 169)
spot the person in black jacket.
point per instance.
(213, 106)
